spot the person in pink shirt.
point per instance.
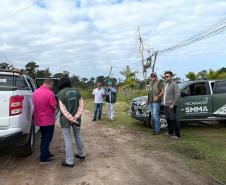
(45, 104)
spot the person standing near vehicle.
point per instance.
(98, 94)
(45, 105)
(110, 100)
(71, 106)
(170, 98)
(154, 100)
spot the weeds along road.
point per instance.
(113, 159)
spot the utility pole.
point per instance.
(141, 50)
(108, 76)
(155, 56)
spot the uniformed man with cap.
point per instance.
(110, 100)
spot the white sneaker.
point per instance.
(175, 137)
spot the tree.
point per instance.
(4, 65)
(66, 74)
(100, 79)
(43, 73)
(177, 80)
(202, 75)
(58, 75)
(210, 75)
(191, 76)
(31, 68)
(91, 82)
(75, 81)
(62, 75)
(222, 70)
(130, 78)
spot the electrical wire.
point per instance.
(5, 57)
(19, 11)
(211, 31)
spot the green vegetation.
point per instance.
(210, 75)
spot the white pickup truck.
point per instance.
(16, 111)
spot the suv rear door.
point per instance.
(219, 98)
(195, 101)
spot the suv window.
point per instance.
(196, 89)
(220, 87)
(12, 81)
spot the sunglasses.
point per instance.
(167, 76)
(153, 76)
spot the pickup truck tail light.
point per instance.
(15, 105)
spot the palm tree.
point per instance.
(130, 78)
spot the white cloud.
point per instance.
(89, 37)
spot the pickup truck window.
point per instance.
(12, 81)
(220, 87)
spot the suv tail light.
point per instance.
(15, 105)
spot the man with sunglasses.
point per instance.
(170, 98)
(154, 100)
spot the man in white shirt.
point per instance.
(98, 101)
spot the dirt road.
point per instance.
(113, 159)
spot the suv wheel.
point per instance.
(28, 148)
(163, 121)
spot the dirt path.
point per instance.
(113, 159)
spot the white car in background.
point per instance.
(16, 111)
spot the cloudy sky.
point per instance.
(87, 37)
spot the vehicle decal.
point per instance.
(196, 106)
(221, 111)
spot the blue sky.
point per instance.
(87, 37)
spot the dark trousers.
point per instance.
(46, 138)
(97, 110)
(173, 124)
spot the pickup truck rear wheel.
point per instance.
(163, 121)
(28, 148)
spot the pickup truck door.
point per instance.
(195, 101)
(219, 99)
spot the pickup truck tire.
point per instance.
(163, 122)
(28, 148)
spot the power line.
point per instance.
(19, 11)
(211, 31)
(5, 57)
(208, 35)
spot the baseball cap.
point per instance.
(153, 74)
